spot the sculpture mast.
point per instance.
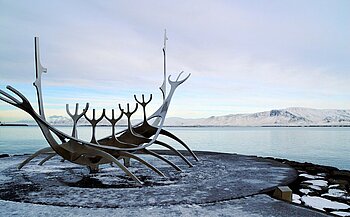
(39, 69)
(163, 87)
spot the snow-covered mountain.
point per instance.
(62, 120)
(59, 120)
(294, 116)
(280, 117)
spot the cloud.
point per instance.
(243, 56)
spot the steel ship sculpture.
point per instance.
(124, 145)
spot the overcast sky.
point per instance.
(244, 56)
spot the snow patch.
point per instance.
(296, 199)
(341, 213)
(322, 203)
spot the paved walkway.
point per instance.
(218, 185)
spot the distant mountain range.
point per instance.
(294, 116)
(62, 120)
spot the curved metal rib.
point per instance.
(147, 131)
(172, 136)
(12, 101)
(41, 151)
(175, 151)
(146, 151)
(129, 155)
(176, 83)
(47, 158)
(121, 166)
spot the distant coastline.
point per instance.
(13, 125)
(190, 126)
(253, 126)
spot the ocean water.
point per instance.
(320, 145)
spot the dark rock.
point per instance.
(343, 184)
(331, 174)
(342, 173)
(4, 155)
(275, 113)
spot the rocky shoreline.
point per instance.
(320, 187)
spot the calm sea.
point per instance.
(321, 145)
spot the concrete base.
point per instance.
(217, 182)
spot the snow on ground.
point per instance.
(216, 177)
(255, 206)
(322, 203)
(258, 206)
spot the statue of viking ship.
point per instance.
(123, 145)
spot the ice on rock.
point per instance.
(322, 203)
(308, 176)
(315, 187)
(305, 191)
(317, 182)
(337, 193)
(333, 186)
